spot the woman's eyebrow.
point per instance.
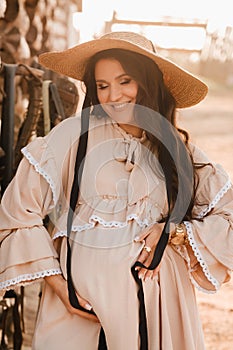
(118, 77)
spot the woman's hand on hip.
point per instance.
(150, 236)
(59, 286)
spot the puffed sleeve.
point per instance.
(26, 249)
(210, 232)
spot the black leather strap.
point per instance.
(7, 127)
(79, 164)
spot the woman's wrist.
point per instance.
(57, 283)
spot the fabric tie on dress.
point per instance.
(129, 151)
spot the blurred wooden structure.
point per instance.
(215, 58)
(166, 22)
(28, 28)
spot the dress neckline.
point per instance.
(127, 135)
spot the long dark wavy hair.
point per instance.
(153, 94)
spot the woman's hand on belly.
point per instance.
(59, 286)
(151, 237)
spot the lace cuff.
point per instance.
(199, 257)
(208, 262)
(28, 278)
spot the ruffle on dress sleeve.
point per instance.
(210, 233)
(41, 157)
(27, 252)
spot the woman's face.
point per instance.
(116, 90)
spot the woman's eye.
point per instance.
(102, 87)
(125, 81)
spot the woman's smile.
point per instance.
(117, 93)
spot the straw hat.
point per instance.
(186, 89)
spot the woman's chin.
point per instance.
(124, 116)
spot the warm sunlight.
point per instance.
(216, 15)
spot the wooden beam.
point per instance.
(167, 21)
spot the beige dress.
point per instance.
(120, 196)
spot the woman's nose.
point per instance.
(115, 93)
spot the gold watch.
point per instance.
(179, 235)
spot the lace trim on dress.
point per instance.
(41, 171)
(193, 244)
(199, 257)
(94, 218)
(216, 199)
(27, 278)
(184, 254)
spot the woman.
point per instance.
(147, 215)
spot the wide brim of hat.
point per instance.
(187, 89)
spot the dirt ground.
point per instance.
(211, 128)
(210, 125)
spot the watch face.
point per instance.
(178, 238)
